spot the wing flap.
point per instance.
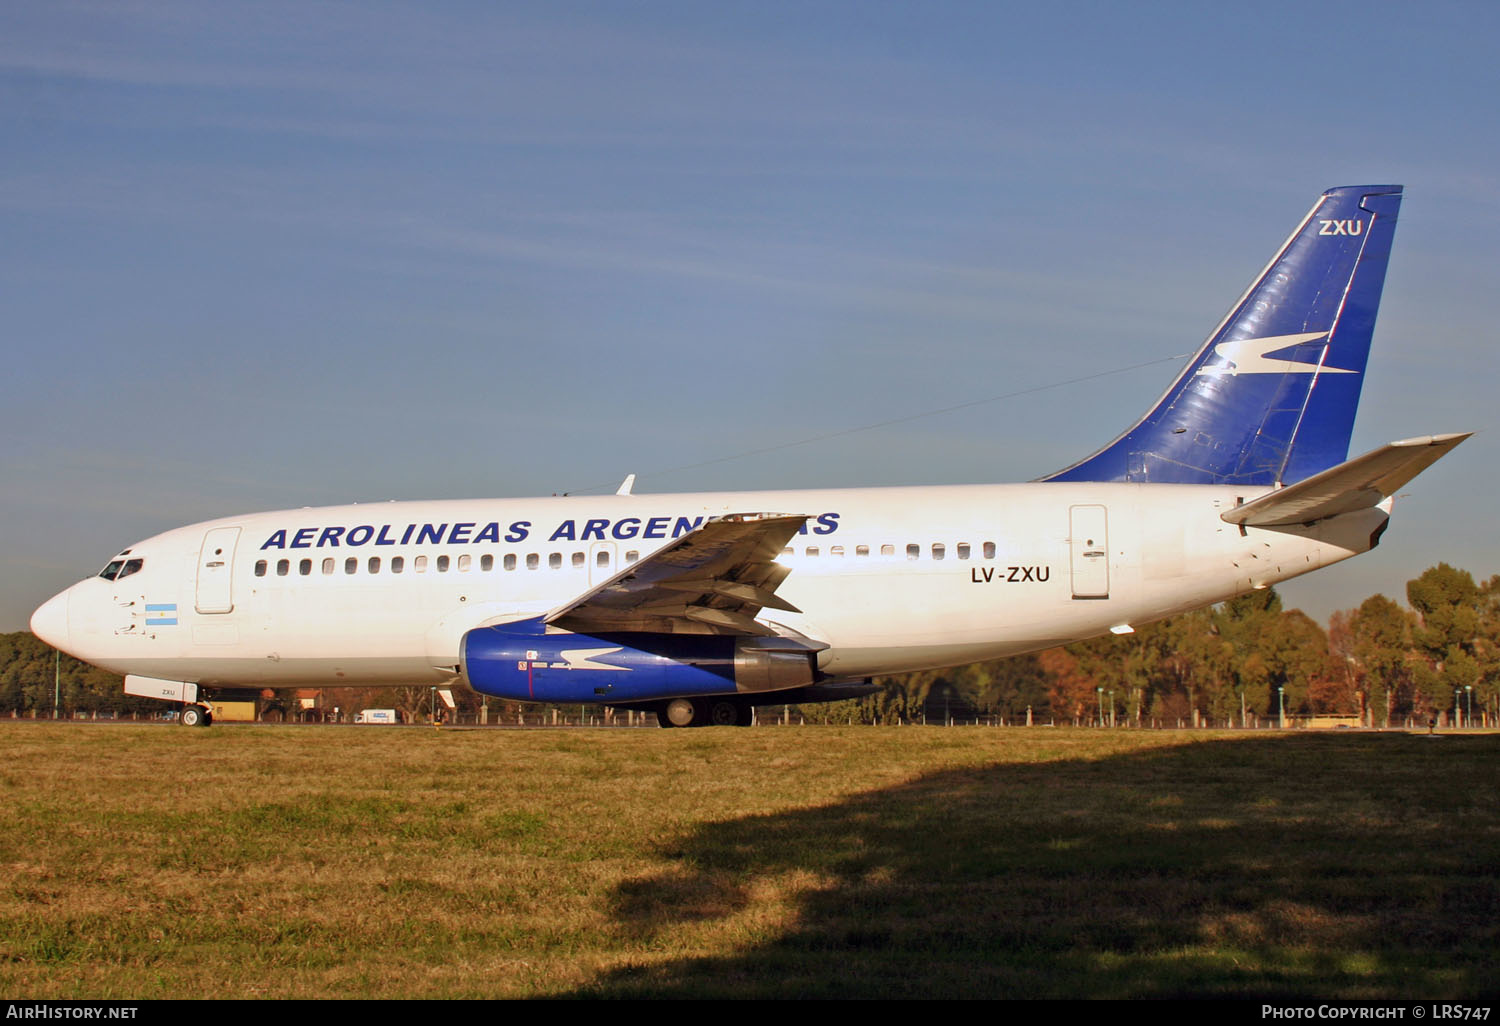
(735, 590)
(1360, 483)
(713, 580)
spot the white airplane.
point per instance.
(701, 606)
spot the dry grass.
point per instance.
(146, 861)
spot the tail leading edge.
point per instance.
(1271, 396)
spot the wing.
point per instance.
(713, 580)
(1358, 484)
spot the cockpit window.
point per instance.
(118, 569)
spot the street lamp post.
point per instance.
(1469, 704)
(1100, 689)
(1280, 707)
(1458, 707)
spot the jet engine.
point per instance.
(522, 662)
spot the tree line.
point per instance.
(1242, 662)
(1238, 663)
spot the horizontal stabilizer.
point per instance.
(1361, 483)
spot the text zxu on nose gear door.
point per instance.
(215, 569)
(1088, 541)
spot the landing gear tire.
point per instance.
(679, 712)
(726, 712)
(196, 716)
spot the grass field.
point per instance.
(157, 861)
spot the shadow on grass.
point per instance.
(1357, 865)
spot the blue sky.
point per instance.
(270, 255)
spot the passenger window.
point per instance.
(304, 567)
(602, 559)
(464, 562)
(887, 550)
(812, 550)
(351, 564)
(963, 550)
(913, 551)
(632, 556)
(442, 564)
(554, 560)
(861, 550)
(398, 563)
(419, 564)
(989, 550)
(835, 550)
(787, 551)
(328, 565)
(374, 564)
(260, 568)
(283, 566)
(486, 563)
(937, 550)
(510, 561)
(533, 560)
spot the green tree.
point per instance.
(30, 671)
(1487, 688)
(1447, 635)
(1379, 649)
(1243, 623)
(1005, 687)
(1300, 662)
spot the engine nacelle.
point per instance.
(521, 661)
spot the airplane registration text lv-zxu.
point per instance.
(700, 606)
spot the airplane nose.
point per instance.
(50, 621)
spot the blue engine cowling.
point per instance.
(520, 661)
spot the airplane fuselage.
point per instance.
(889, 579)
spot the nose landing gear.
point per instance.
(196, 716)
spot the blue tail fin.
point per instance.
(1270, 398)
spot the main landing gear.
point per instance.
(196, 716)
(704, 712)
